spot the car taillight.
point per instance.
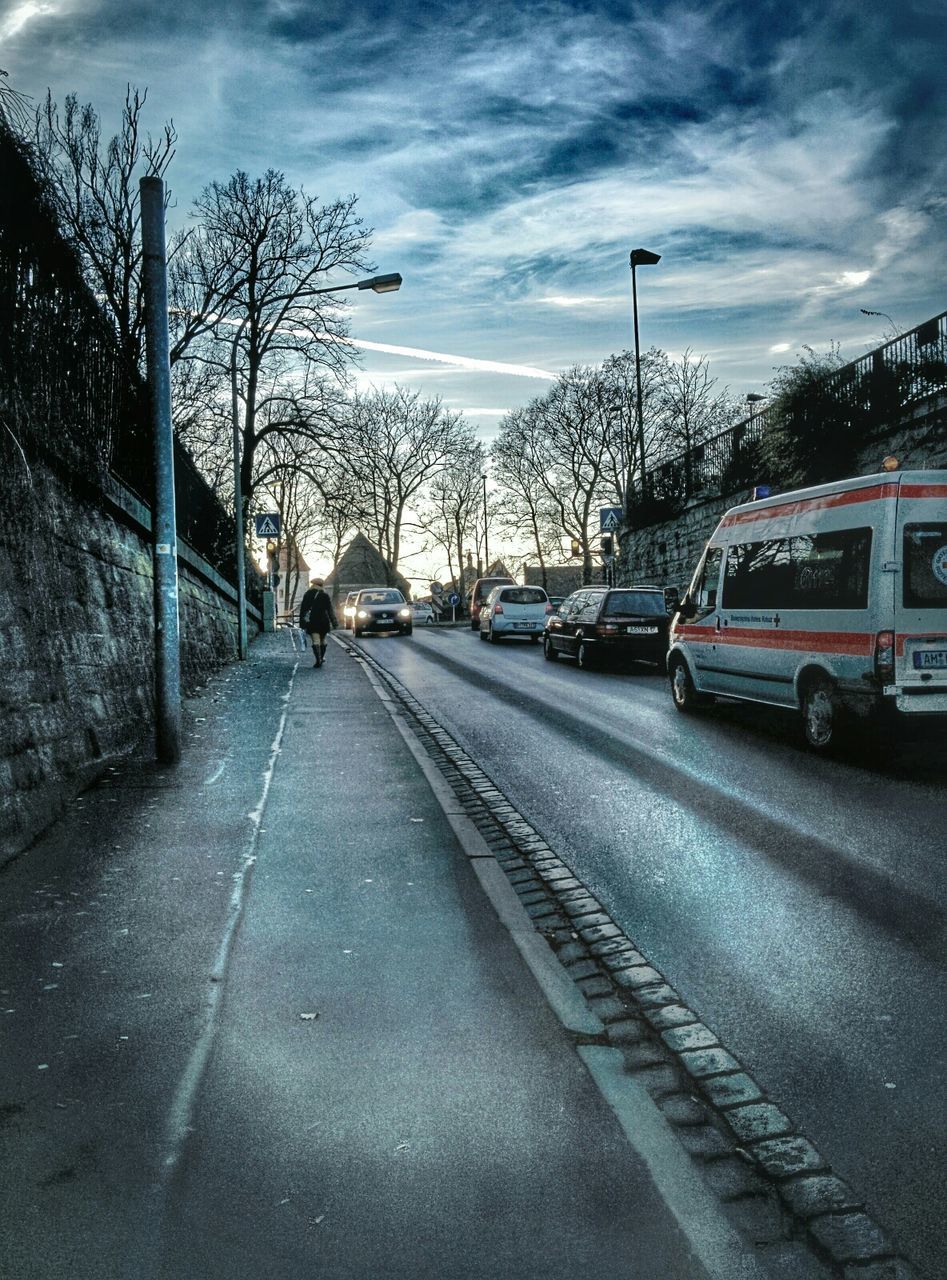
(498, 608)
(549, 608)
(607, 628)
(884, 655)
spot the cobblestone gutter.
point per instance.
(779, 1191)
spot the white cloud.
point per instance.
(572, 301)
(18, 17)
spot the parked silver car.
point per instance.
(514, 611)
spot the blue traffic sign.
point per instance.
(268, 525)
(453, 599)
(609, 518)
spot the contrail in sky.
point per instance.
(460, 362)
(418, 353)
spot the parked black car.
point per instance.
(618, 622)
(381, 609)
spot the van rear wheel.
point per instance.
(549, 653)
(820, 714)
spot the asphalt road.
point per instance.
(798, 905)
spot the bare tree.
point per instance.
(521, 460)
(451, 511)
(94, 189)
(252, 310)
(393, 445)
(692, 410)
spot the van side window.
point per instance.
(808, 571)
(705, 591)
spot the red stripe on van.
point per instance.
(847, 642)
(871, 493)
(852, 643)
(924, 491)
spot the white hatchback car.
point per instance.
(422, 611)
(514, 611)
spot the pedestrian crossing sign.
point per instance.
(267, 526)
(609, 518)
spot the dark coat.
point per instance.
(316, 613)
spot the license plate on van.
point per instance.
(930, 660)
(642, 631)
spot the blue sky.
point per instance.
(786, 160)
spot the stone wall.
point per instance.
(76, 641)
(666, 554)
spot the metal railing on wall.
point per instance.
(66, 392)
(870, 392)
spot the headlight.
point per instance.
(362, 613)
(404, 613)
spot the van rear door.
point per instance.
(920, 620)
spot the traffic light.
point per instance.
(576, 547)
(608, 544)
(271, 549)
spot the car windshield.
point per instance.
(649, 604)
(381, 597)
(523, 595)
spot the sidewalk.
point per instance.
(260, 1020)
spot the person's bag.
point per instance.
(304, 620)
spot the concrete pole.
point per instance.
(240, 529)
(167, 635)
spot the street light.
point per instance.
(378, 284)
(640, 258)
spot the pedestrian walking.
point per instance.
(317, 618)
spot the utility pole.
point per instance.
(164, 524)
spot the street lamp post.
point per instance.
(378, 284)
(486, 552)
(640, 258)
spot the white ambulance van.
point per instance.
(831, 601)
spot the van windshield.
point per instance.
(925, 566)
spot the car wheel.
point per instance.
(549, 653)
(534, 639)
(406, 631)
(820, 714)
(686, 698)
(583, 656)
(356, 632)
(483, 635)
(474, 625)
(493, 637)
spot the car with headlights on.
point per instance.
(348, 610)
(514, 611)
(595, 623)
(381, 609)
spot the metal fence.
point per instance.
(869, 392)
(66, 393)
